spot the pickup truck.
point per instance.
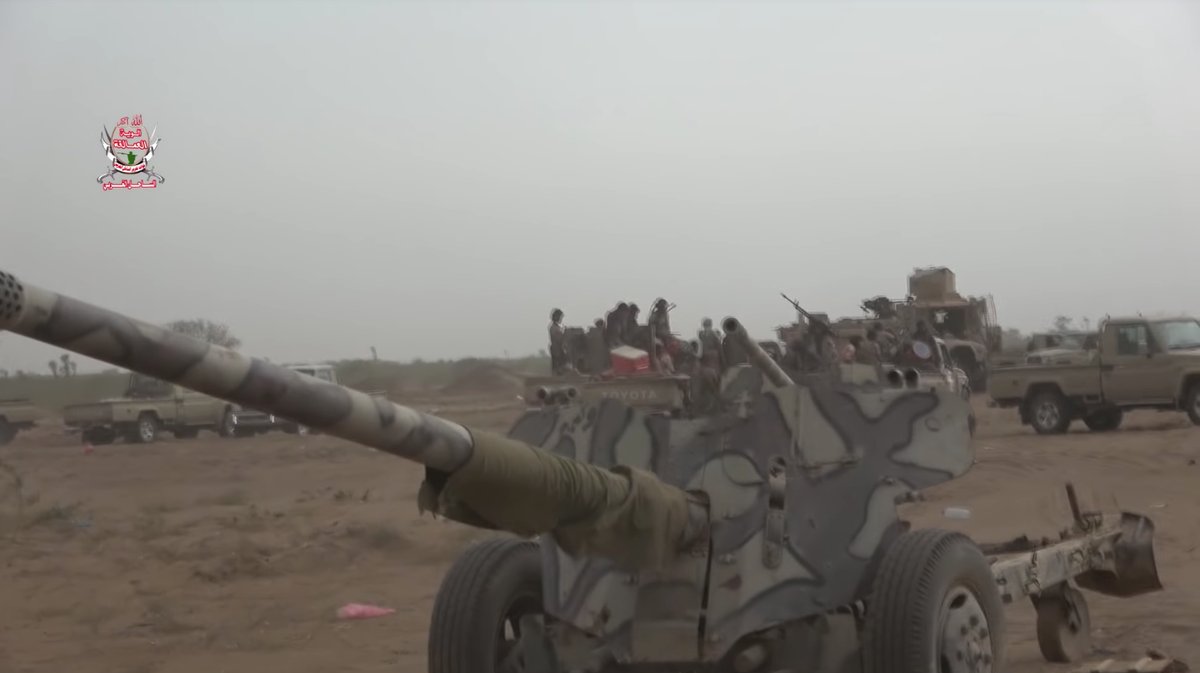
(242, 422)
(149, 407)
(1141, 363)
(16, 415)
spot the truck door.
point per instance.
(1133, 369)
(194, 408)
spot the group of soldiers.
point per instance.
(711, 354)
(619, 327)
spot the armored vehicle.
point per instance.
(968, 324)
(763, 539)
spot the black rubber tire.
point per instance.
(227, 428)
(1063, 416)
(1062, 637)
(469, 612)
(7, 432)
(146, 430)
(1192, 403)
(916, 574)
(1106, 420)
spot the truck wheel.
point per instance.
(933, 606)
(227, 428)
(476, 622)
(7, 432)
(1064, 626)
(1105, 420)
(147, 429)
(1192, 403)
(1048, 413)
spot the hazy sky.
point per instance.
(432, 178)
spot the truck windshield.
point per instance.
(323, 373)
(1179, 334)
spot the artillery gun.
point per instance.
(766, 539)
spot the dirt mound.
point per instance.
(484, 377)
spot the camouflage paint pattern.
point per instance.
(802, 482)
(623, 514)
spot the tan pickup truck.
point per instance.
(241, 422)
(149, 407)
(1141, 363)
(16, 415)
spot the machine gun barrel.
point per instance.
(758, 356)
(474, 477)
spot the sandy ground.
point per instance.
(224, 556)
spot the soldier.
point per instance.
(597, 349)
(629, 328)
(615, 327)
(711, 365)
(659, 319)
(559, 362)
(867, 351)
(888, 342)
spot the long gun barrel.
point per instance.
(758, 356)
(475, 477)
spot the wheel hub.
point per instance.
(1047, 414)
(966, 641)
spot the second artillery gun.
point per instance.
(764, 539)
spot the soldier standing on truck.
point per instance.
(597, 349)
(559, 362)
(614, 327)
(629, 327)
(868, 352)
(712, 364)
(659, 319)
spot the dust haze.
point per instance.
(432, 178)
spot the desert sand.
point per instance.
(227, 556)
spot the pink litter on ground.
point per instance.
(362, 611)
(87, 449)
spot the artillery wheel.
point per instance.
(1048, 413)
(475, 626)
(934, 607)
(1064, 626)
(1106, 420)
